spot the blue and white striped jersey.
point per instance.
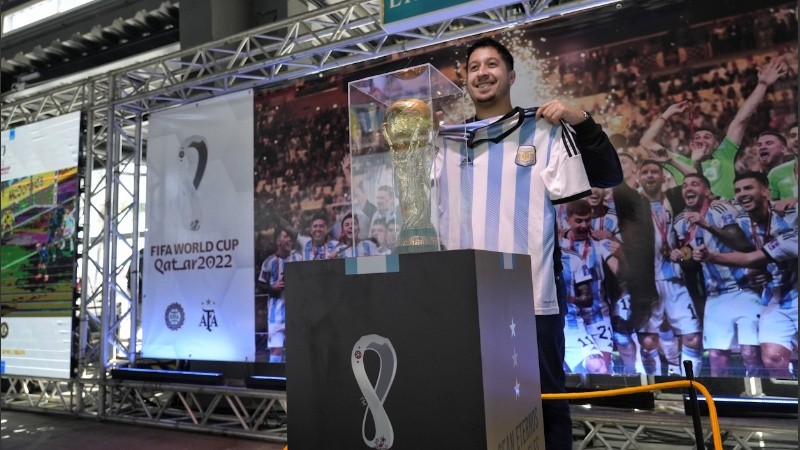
(718, 278)
(272, 269)
(497, 183)
(311, 253)
(592, 254)
(661, 212)
(782, 288)
(362, 248)
(573, 273)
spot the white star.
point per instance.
(516, 388)
(514, 357)
(513, 328)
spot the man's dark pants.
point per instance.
(550, 340)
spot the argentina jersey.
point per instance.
(719, 278)
(497, 183)
(273, 267)
(782, 288)
(665, 269)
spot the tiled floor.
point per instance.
(31, 431)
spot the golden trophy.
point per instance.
(409, 129)
(393, 123)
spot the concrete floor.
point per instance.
(31, 431)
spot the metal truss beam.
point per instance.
(321, 39)
(222, 410)
(620, 429)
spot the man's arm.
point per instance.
(783, 248)
(648, 140)
(767, 76)
(598, 154)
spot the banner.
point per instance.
(197, 300)
(37, 255)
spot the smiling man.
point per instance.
(498, 185)
(764, 229)
(731, 307)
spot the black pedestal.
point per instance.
(438, 354)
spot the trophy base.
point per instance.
(417, 240)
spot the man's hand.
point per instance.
(677, 108)
(781, 206)
(695, 218)
(346, 168)
(770, 73)
(554, 111)
(277, 287)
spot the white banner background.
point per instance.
(198, 272)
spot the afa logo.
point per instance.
(3, 330)
(174, 316)
(209, 319)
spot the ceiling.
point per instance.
(85, 37)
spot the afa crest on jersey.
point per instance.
(526, 155)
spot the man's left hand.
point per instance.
(553, 111)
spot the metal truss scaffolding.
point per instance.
(116, 107)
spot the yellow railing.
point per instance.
(712, 409)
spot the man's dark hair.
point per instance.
(647, 162)
(700, 177)
(761, 177)
(489, 42)
(580, 207)
(774, 133)
(791, 125)
(321, 215)
(291, 233)
(713, 132)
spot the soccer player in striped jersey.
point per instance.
(317, 246)
(497, 189)
(581, 354)
(674, 304)
(731, 307)
(605, 224)
(593, 255)
(349, 245)
(271, 277)
(762, 225)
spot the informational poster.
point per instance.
(197, 300)
(37, 255)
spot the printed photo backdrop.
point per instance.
(664, 79)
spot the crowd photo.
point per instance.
(692, 258)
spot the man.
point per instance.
(378, 234)
(783, 177)
(605, 224)
(772, 234)
(674, 304)
(528, 203)
(772, 148)
(581, 352)
(350, 246)
(271, 279)
(731, 307)
(384, 202)
(715, 158)
(593, 254)
(317, 246)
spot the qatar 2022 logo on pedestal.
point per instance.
(375, 394)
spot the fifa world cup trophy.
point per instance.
(409, 129)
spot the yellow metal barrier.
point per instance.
(712, 409)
